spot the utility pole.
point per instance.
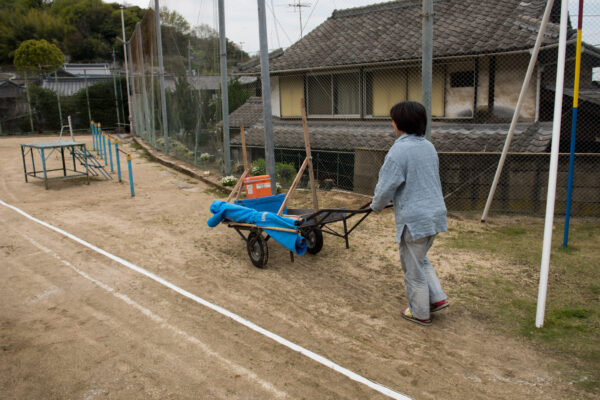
(266, 94)
(427, 62)
(297, 5)
(161, 68)
(224, 95)
(126, 72)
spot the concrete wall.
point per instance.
(510, 73)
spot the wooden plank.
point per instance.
(238, 187)
(311, 174)
(273, 228)
(293, 186)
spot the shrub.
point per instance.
(228, 180)
(258, 167)
(284, 172)
(204, 157)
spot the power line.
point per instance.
(282, 28)
(274, 23)
(297, 5)
(309, 15)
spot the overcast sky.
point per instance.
(283, 21)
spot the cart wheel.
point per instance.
(257, 249)
(314, 241)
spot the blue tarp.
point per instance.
(232, 212)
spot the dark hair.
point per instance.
(410, 117)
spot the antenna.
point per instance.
(298, 5)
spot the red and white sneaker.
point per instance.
(439, 306)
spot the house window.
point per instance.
(333, 94)
(386, 87)
(462, 79)
(291, 91)
(319, 95)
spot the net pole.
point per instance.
(427, 62)
(266, 94)
(87, 96)
(28, 101)
(126, 72)
(553, 170)
(161, 71)
(58, 99)
(573, 125)
(224, 93)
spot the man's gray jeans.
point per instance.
(420, 280)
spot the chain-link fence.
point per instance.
(189, 94)
(360, 62)
(41, 101)
(350, 71)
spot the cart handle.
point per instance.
(364, 209)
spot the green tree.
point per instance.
(38, 54)
(174, 19)
(236, 94)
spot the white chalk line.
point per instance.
(164, 324)
(273, 336)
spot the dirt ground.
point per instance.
(75, 324)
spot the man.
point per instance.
(410, 178)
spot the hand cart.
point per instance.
(310, 224)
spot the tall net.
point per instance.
(355, 66)
(360, 62)
(190, 99)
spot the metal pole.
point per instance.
(427, 62)
(93, 126)
(118, 159)
(126, 72)
(130, 175)
(28, 101)
(161, 68)
(224, 94)
(110, 153)
(115, 89)
(573, 126)
(515, 118)
(87, 96)
(266, 94)
(58, 98)
(553, 171)
(70, 128)
(189, 58)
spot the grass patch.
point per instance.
(507, 298)
(215, 192)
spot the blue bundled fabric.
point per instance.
(263, 219)
(268, 203)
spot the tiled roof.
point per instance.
(70, 86)
(247, 114)
(349, 135)
(391, 31)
